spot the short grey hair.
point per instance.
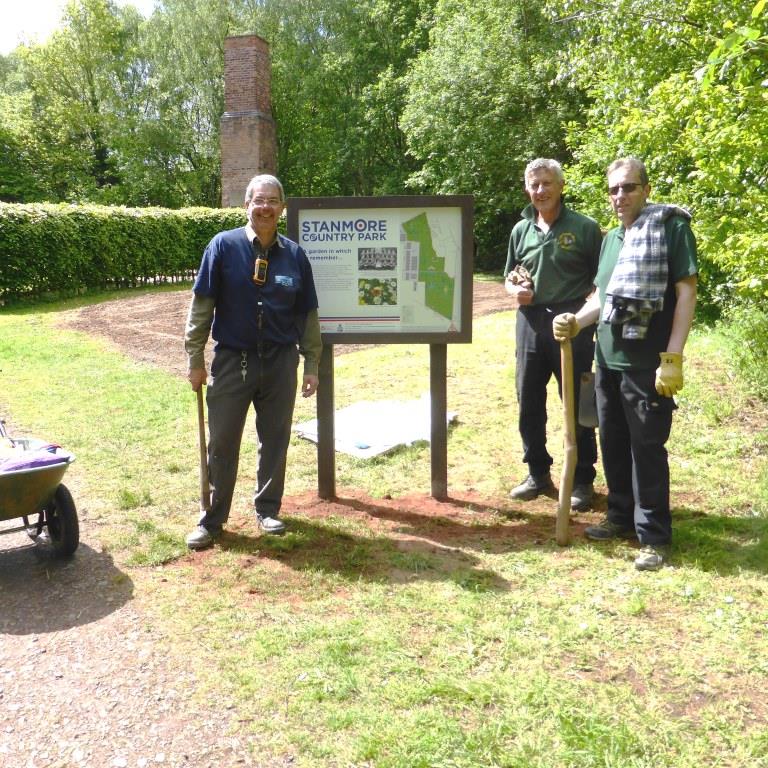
(630, 162)
(545, 164)
(264, 178)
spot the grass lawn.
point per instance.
(373, 635)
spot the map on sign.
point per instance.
(388, 269)
(438, 285)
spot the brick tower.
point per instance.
(248, 144)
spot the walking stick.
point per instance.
(562, 532)
(205, 488)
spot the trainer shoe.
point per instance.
(606, 529)
(581, 497)
(531, 487)
(201, 538)
(270, 525)
(652, 557)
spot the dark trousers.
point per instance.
(635, 422)
(269, 385)
(538, 359)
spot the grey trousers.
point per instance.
(267, 380)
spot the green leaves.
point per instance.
(92, 247)
(694, 110)
(482, 101)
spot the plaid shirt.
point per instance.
(642, 268)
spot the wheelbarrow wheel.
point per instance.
(61, 522)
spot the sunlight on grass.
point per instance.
(470, 641)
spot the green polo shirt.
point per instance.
(611, 350)
(562, 261)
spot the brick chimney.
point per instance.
(248, 143)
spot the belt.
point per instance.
(261, 347)
(555, 307)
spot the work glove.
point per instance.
(669, 375)
(565, 326)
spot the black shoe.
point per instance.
(270, 525)
(606, 529)
(202, 538)
(531, 487)
(581, 497)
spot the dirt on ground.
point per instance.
(150, 327)
(84, 679)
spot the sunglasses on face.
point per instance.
(630, 186)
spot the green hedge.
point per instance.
(65, 249)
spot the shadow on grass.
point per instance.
(467, 523)
(719, 544)
(401, 540)
(315, 546)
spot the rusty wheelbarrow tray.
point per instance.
(37, 496)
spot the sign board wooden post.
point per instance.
(388, 270)
(326, 448)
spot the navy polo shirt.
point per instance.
(245, 313)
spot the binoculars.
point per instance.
(633, 314)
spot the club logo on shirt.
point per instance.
(566, 240)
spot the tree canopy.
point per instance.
(411, 96)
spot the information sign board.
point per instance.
(389, 269)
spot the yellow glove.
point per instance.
(565, 326)
(669, 375)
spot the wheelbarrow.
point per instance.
(31, 489)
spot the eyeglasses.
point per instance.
(266, 201)
(630, 186)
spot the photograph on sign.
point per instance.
(386, 269)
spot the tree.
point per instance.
(83, 86)
(179, 134)
(338, 92)
(693, 109)
(482, 101)
(21, 157)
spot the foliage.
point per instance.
(483, 100)
(127, 110)
(91, 247)
(179, 137)
(84, 89)
(746, 327)
(24, 158)
(390, 96)
(693, 109)
(337, 91)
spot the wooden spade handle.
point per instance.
(562, 532)
(205, 488)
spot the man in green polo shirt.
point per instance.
(644, 303)
(558, 251)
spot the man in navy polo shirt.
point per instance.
(255, 295)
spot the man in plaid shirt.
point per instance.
(639, 354)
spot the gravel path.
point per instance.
(84, 679)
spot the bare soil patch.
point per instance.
(150, 327)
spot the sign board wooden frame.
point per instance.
(387, 270)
